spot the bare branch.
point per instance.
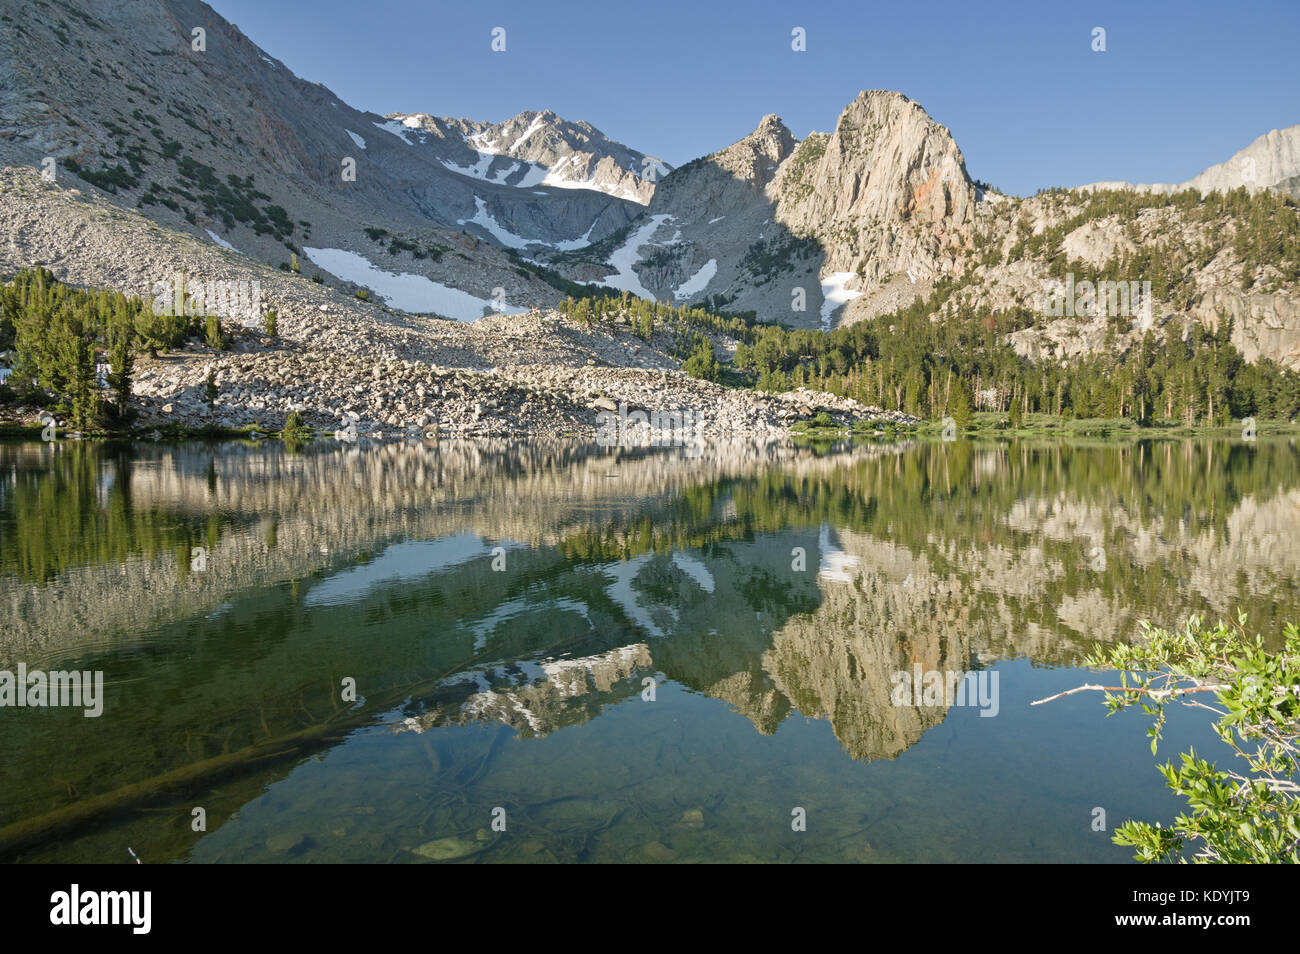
(1153, 693)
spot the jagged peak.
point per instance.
(769, 124)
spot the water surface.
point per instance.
(623, 655)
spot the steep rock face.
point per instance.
(886, 190)
(729, 182)
(538, 149)
(794, 230)
(1264, 325)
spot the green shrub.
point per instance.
(212, 333)
(1242, 814)
(703, 363)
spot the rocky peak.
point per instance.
(756, 158)
(886, 162)
(549, 151)
(771, 138)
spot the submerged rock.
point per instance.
(445, 849)
(286, 842)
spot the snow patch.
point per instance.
(536, 175)
(510, 240)
(355, 138)
(505, 174)
(697, 282)
(625, 278)
(834, 294)
(220, 241)
(396, 128)
(536, 124)
(476, 171)
(413, 293)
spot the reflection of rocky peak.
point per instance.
(836, 663)
(756, 697)
(538, 698)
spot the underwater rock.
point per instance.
(658, 851)
(445, 849)
(286, 842)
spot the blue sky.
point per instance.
(1180, 86)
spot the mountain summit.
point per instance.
(551, 152)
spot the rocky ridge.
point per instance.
(551, 152)
(535, 374)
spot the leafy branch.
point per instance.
(1251, 815)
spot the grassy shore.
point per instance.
(986, 424)
(168, 433)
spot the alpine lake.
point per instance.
(501, 651)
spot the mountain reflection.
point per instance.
(539, 585)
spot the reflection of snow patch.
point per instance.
(400, 563)
(697, 282)
(835, 563)
(696, 570)
(834, 294)
(406, 291)
(517, 607)
(621, 592)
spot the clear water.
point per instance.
(614, 656)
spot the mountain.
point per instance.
(225, 143)
(1270, 162)
(879, 214)
(552, 152)
(784, 228)
(227, 163)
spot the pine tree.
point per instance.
(121, 359)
